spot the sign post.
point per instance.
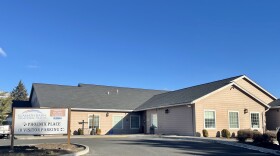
(68, 129)
(92, 125)
(12, 131)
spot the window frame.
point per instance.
(230, 111)
(94, 115)
(205, 110)
(113, 126)
(131, 121)
(152, 119)
(251, 120)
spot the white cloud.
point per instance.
(2, 52)
(33, 66)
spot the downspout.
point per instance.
(263, 119)
(194, 119)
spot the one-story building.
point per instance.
(233, 103)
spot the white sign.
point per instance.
(41, 121)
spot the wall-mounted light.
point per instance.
(166, 111)
(245, 110)
(189, 106)
(107, 114)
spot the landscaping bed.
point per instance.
(54, 149)
(250, 137)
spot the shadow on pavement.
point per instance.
(191, 147)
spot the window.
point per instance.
(210, 119)
(255, 120)
(134, 121)
(154, 121)
(95, 121)
(233, 120)
(117, 122)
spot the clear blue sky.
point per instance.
(147, 44)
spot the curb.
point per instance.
(83, 136)
(83, 152)
(250, 147)
(236, 144)
(72, 137)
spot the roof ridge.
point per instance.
(53, 84)
(84, 84)
(234, 77)
(121, 87)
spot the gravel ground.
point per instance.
(51, 149)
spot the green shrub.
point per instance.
(205, 133)
(233, 135)
(257, 137)
(254, 132)
(272, 134)
(244, 134)
(80, 131)
(268, 138)
(225, 133)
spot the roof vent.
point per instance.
(108, 92)
(117, 91)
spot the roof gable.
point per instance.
(186, 95)
(258, 87)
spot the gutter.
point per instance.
(178, 104)
(101, 110)
(276, 107)
(264, 119)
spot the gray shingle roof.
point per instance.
(92, 96)
(185, 95)
(120, 98)
(275, 103)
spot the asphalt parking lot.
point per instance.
(139, 146)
